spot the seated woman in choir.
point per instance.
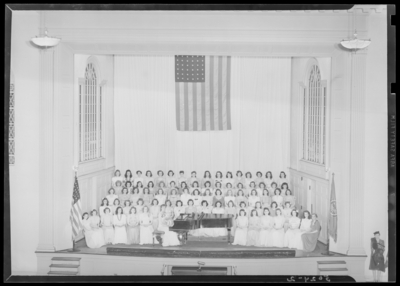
(116, 204)
(253, 230)
(208, 197)
(148, 178)
(147, 226)
(265, 198)
(172, 186)
(104, 204)
(277, 197)
(258, 208)
(139, 206)
(193, 179)
(179, 209)
(92, 241)
(169, 209)
(118, 188)
(218, 185)
(282, 179)
(97, 231)
(128, 185)
(128, 176)
(194, 186)
(117, 177)
(107, 226)
(191, 208)
(229, 197)
(119, 222)
(294, 228)
(182, 178)
(218, 179)
(218, 197)
(259, 178)
(169, 238)
(287, 214)
(111, 195)
(228, 187)
(133, 227)
(160, 178)
(242, 223)
(253, 198)
(127, 207)
(135, 196)
(228, 179)
(240, 197)
(174, 197)
(207, 185)
(305, 225)
(289, 198)
(266, 226)
(252, 187)
(230, 209)
(207, 180)
(161, 196)
(268, 179)
(154, 212)
(310, 237)
(124, 196)
(248, 180)
(278, 232)
(147, 196)
(274, 207)
(260, 189)
(239, 179)
(139, 178)
(196, 197)
(170, 177)
(185, 197)
(150, 185)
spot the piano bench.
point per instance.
(157, 234)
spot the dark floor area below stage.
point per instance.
(200, 246)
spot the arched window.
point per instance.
(90, 115)
(11, 123)
(314, 117)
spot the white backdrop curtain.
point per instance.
(146, 137)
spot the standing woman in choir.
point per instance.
(289, 197)
(259, 178)
(117, 177)
(160, 196)
(170, 177)
(287, 214)
(104, 204)
(266, 225)
(111, 195)
(159, 179)
(231, 210)
(208, 197)
(140, 206)
(146, 226)
(133, 227)
(274, 207)
(154, 212)
(128, 176)
(119, 222)
(169, 209)
(87, 230)
(107, 226)
(242, 223)
(253, 198)
(218, 197)
(116, 204)
(248, 179)
(197, 198)
(127, 207)
(265, 199)
(229, 197)
(258, 208)
(228, 179)
(97, 232)
(150, 185)
(278, 232)
(240, 197)
(147, 196)
(310, 238)
(239, 178)
(128, 185)
(191, 209)
(282, 179)
(294, 228)
(174, 197)
(278, 198)
(207, 186)
(169, 238)
(305, 225)
(268, 179)
(207, 179)
(377, 260)
(135, 196)
(124, 196)
(185, 197)
(139, 178)
(253, 230)
(179, 209)
(193, 179)
(218, 179)
(118, 188)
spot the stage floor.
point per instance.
(200, 246)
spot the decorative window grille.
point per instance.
(11, 126)
(90, 116)
(314, 118)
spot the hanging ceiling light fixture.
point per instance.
(46, 41)
(355, 44)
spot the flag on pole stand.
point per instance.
(76, 212)
(332, 216)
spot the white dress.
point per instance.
(265, 236)
(108, 229)
(119, 222)
(241, 231)
(278, 234)
(296, 241)
(146, 232)
(170, 238)
(294, 222)
(98, 233)
(93, 238)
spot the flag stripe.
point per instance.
(207, 93)
(223, 93)
(186, 106)
(228, 95)
(220, 126)
(203, 107)
(211, 91)
(177, 106)
(215, 91)
(194, 92)
(182, 106)
(199, 107)
(190, 104)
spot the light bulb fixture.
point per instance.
(355, 44)
(46, 41)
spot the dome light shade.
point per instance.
(355, 43)
(46, 41)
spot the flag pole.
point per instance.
(74, 249)
(327, 253)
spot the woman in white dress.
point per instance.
(266, 225)
(240, 198)
(230, 209)
(208, 197)
(135, 196)
(227, 188)
(218, 209)
(194, 186)
(159, 179)
(272, 210)
(229, 197)
(124, 196)
(147, 196)
(169, 238)
(185, 197)
(272, 189)
(172, 186)
(289, 197)
(154, 212)
(179, 209)
(169, 209)
(182, 187)
(118, 188)
(294, 224)
(115, 205)
(111, 196)
(170, 177)
(268, 179)
(104, 204)
(207, 179)
(139, 185)
(174, 197)
(252, 187)
(258, 208)
(277, 198)
(239, 178)
(133, 227)
(128, 185)
(140, 206)
(148, 178)
(253, 198)
(146, 226)
(282, 179)
(243, 206)
(93, 233)
(218, 197)
(197, 198)
(260, 188)
(287, 214)
(278, 232)
(305, 225)
(150, 185)
(242, 223)
(238, 187)
(117, 177)
(248, 180)
(95, 223)
(259, 178)
(119, 222)
(191, 209)
(128, 176)
(107, 226)
(161, 196)
(207, 186)
(127, 208)
(265, 198)
(253, 231)
(228, 179)
(218, 179)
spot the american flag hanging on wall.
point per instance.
(76, 210)
(202, 91)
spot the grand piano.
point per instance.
(184, 223)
